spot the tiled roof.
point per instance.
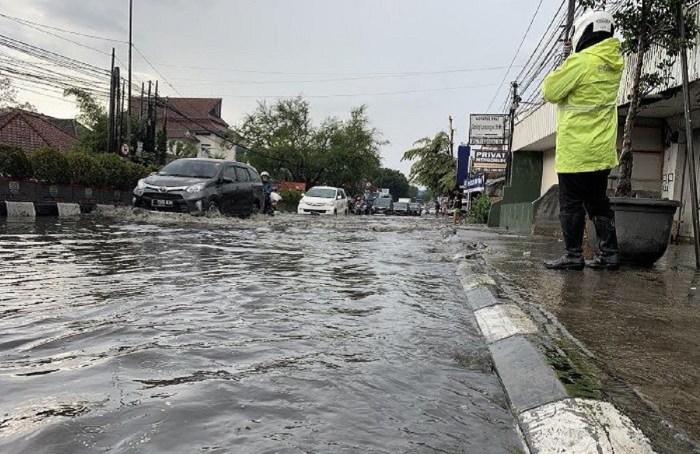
(188, 115)
(31, 131)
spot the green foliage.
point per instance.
(290, 199)
(50, 166)
(133, 173)
(95, 137)
(85, 169)
(116, 170)
(339, 152)
(14, 163)
(479, 212)
(395, 181)
(183, 149)
(8, 97)
(433, 167)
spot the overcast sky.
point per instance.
(245, 51)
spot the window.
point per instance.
(242, 174)
(230, 173)
(341, 193)
(254, 175)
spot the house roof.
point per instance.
(188, 116)
(31, 131)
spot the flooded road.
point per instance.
(165, 335)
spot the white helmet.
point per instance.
(593, 24)
(264, 174)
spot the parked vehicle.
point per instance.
(401, 209)
(383, 205)
(198, 186)
(415, 209)
(324, 200)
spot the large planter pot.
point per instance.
(643, 228)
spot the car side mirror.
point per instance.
(303, 194)
(340, 197)
(225, 180)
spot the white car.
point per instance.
(323, 200)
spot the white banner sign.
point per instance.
(487, 129)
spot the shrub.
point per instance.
(479, 212)
(85, 169)
(14, 163)
(134, 172)
(50, 166)
(290, 199)
(116, 170)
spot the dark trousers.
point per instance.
(585, 192)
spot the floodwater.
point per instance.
(168, 334)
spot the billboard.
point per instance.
(490, 160)
(487, 129)
(463, 152)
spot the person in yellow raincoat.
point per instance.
(585, 88)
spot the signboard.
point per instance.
(477, 183)
(487, 129)
(463, 152)
(490, 160)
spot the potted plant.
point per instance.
(643, 224)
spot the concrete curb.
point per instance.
(36, 209)
(550, 420)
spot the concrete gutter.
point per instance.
(551, 421)
(35, 209)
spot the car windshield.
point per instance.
(382, 202)
(191, 168)
(321, 193)
(414, 205)
(400, 206)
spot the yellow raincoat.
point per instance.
(585, 88)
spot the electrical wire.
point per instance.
(505, 76)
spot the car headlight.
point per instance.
(195, 187)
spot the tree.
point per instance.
(94, 117)
(282, 139)
(434, 166)
(8, 97)
(646, 25)
(395, 181)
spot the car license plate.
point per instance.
(161, 203)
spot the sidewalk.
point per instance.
(630, 337)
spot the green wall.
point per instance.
(516, 206)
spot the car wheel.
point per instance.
(213, 208)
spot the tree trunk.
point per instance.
(624, 184)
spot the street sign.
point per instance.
(477, 183)
(485, 129)
(124, 150)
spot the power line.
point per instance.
(350, 95)
(505, 76)
(85, 35)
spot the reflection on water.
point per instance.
(174, 334)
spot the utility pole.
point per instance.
(570, 20)
(690, 151)
(128, 105)
(452, 138)
(112, 110)
(515, 102)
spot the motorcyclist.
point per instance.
(267, 190)
(358, 205)
(585, 87)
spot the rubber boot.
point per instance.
(609, 257)
(572, 226)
